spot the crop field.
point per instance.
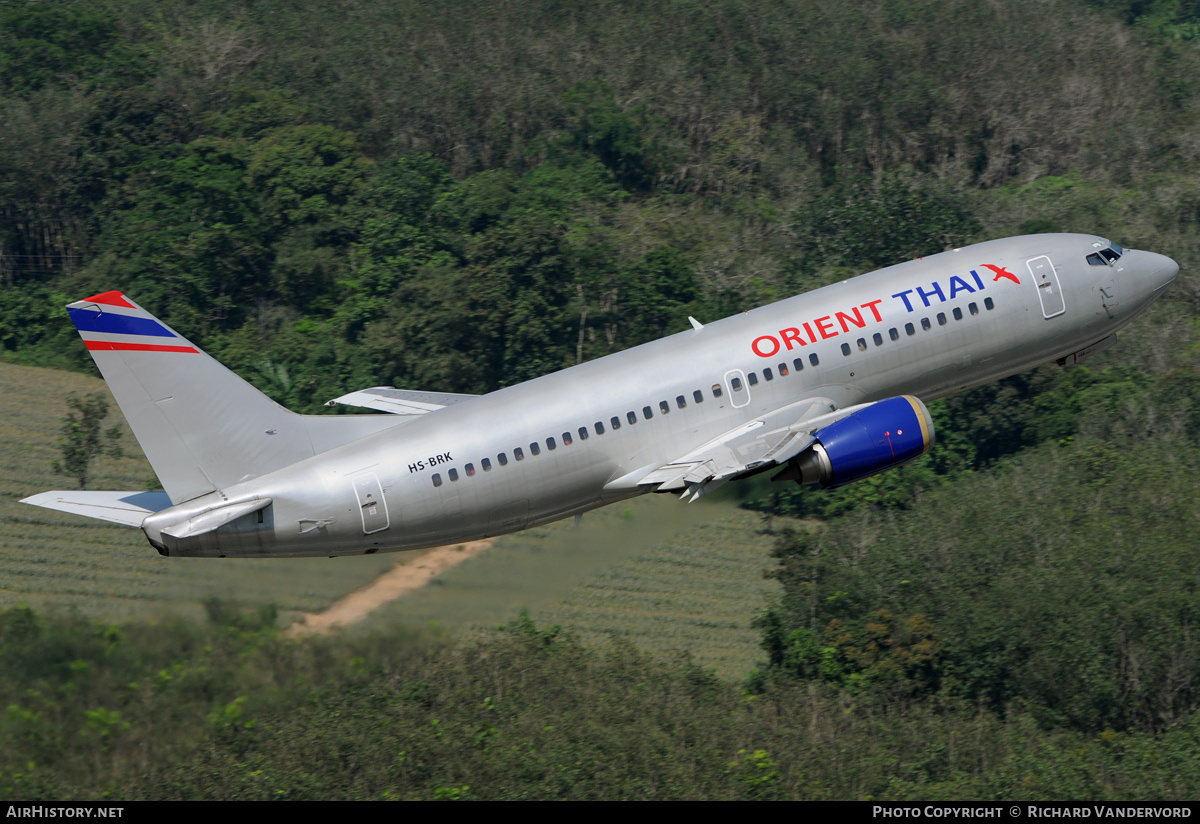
(696, 591)
(666, 576)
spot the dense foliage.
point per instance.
(461, 196)
(229, 710)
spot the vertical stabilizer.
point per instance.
(201, 426)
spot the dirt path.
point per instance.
(399, 580)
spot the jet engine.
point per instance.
(880, 436)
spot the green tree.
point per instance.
(82, 442)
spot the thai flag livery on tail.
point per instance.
(826, 387)
(111, 321)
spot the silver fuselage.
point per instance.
(319, 505)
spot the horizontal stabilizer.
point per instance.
(400, 401)
(215, 518)
(127, 508)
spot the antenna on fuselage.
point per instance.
(697, 325)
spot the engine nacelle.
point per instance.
(877, 437)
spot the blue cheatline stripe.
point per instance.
(86, 320)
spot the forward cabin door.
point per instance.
(1049, 290)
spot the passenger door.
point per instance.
(1045, 278)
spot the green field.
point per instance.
(668, 576)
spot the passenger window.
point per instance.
(845, 349)
(813, 359)
(631, 417)
(752, 379)
(957, 313)
(768, 374)
(894, 333)
(799, 362)
(664, 407)
(453, 473)
(989, 304)
(615, 422)
(583, 433)
(878, 338)
(551, 444)
(925, 324)
(716, 390)
(973, 308)
(862, 344)
(909, 329)
(698, 396)
(941, 318)
(518, 454)
(736, 383)
(647, 413)
(567, 438)
(534, 449)
(680, 401)
(783, 370)
(470, 469)
(486, 463)
(437, 479)
(599, 427)
(503, 459)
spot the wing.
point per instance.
(771, 440)
(400, 401)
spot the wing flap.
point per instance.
(771, 440)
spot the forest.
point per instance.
(458, 197)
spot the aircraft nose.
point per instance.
(1159, 269)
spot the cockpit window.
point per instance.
(1105, 256)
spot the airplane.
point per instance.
(826, 387)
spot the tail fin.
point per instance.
(201, 426)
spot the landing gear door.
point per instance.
(371, 504)
(1049, 289)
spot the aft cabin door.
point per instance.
(371, 504)
(1049, 289)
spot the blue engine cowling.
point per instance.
(877, 437)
